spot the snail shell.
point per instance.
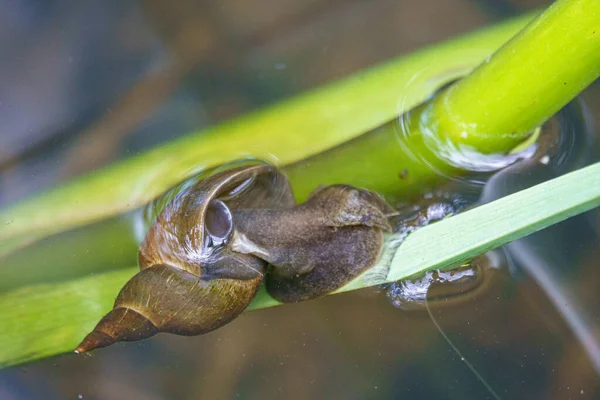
(191, 281)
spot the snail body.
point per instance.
(205, 256)
(319, 245)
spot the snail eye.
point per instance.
(218, 223)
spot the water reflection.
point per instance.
(556, 268)
(537, 321)
(439, 288)
(464, 158)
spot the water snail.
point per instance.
(207, 253)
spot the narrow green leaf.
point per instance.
(457, 239)
(44, 320)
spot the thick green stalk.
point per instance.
(492, 110)
(528, 80)
(386, 160)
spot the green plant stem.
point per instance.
(383, 160)
(526, 82)
(492, 110)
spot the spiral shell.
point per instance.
(191, 282)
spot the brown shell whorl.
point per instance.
(178, 236)
(190, 281)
